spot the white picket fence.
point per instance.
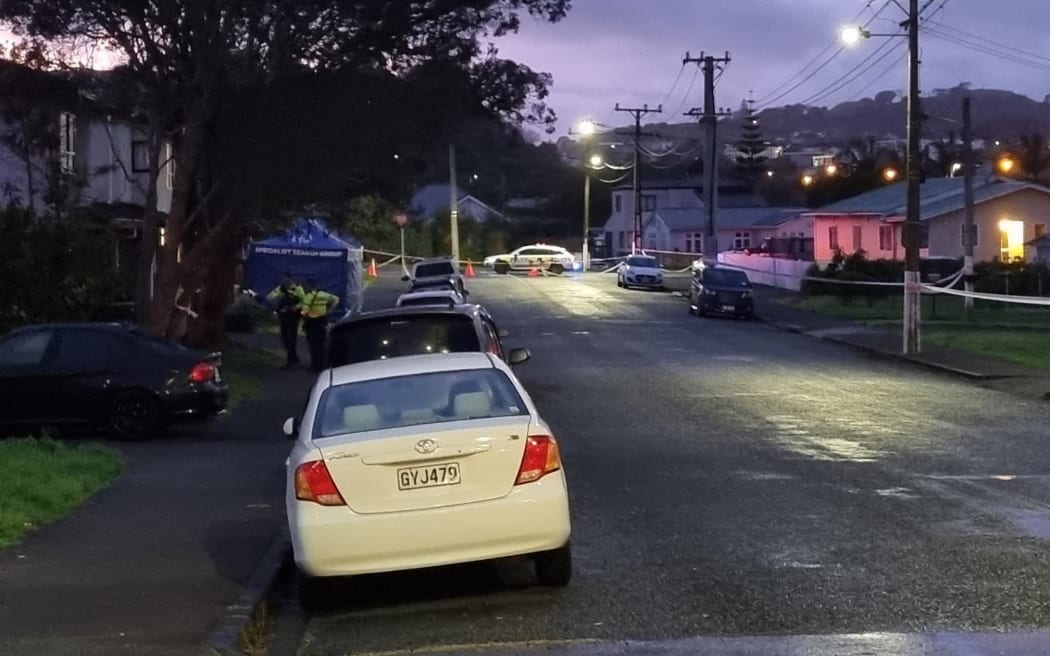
(769, 271)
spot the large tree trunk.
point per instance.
(186, 153)
(208, 329)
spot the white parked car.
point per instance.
(434, 271)
(640, 271)
(445, 297)
(539, 256)
(422, 461)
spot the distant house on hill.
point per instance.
(434, 200)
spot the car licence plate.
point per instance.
(729, 308)
(414, 478)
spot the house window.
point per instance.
(742, 240)
(974, 235)
(623, 240)
(688, 244)
(858, 234)
(648, 202)
(140, 156)
(618, 202)
(67, 141)
(833, 237)
(169, 167)
(885, 237)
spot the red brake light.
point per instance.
(201, 372)
(541, 458)
(314, 483)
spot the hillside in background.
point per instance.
(997, 114)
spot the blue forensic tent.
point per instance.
(310, 250)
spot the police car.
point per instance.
(536, 256)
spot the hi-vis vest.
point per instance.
(315, 303)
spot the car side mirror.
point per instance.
(518, 355)
(405, 278)
(291, 427)
(466, 292)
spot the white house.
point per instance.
(655, 195)
(434, 199)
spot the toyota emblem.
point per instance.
(426, 446)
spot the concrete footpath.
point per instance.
(151, 564)
(986, 370)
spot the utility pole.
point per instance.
(912, 226)
(970, 228)
(709, 118)
(453, 203)
(638, 113)
(585, 250)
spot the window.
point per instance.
(688, 244)
(618, 202)
(858, 234)
(415, 334)
(623, 240)
(434, 270)
(742, 240)
(493, 336)
(648, 202)
(67, 141)
(87, 351)
(833, 237)
(974, 235)
(169, 167)
(726, 277)
(885, 237)
(430, 398)
(140, 156)
(25, 349)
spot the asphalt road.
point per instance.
(730, 479)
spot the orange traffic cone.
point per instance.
(470, 269)
(373, 271)
(534, 272)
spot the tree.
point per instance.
(183, 61)
(750, 162)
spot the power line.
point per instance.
(969, 35)
(674, 86)
(769, 101)
(844, 82)
(987, 50)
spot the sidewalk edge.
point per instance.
(225, 640)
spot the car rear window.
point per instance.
(434, 269)
(727, 277)
(429, 398)
(391, 337)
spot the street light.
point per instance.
(1006, 165)
(831, 169)
(890, 174)
(587, 127)
(807, 180)
(912, 227)
(596, 161)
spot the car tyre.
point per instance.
(557, 268)
(554, 568)
(315, 593)
(501, 268)
(136, 415)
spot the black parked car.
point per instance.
(416, 331)
(110, 375)
(721, 290)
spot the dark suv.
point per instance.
(416, 331)
(721, 290)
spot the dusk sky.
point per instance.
(630, 51)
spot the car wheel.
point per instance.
(315, 593)
(501, 267)
(136, 415)
(554, 568)
(557, 268)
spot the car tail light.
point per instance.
(541, 458)
(201, 372)
(314, 483)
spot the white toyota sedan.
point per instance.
(422, 461)
(445, 297)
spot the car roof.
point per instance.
(411, 365)
(463, 309)
(424, 293)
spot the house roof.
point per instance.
(938, 196)
(727, 217)
(431, 199)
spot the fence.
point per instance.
(769, 271)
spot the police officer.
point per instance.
(288, 297)
(317, 305)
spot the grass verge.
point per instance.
(44, 480)
(947, 309)
(1027, 347)
(244, 367)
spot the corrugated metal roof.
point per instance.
(938, 196)
(727, 217)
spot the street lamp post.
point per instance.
(594, 162)
(912, 235)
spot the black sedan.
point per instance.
(721, 290)
(109, 375)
